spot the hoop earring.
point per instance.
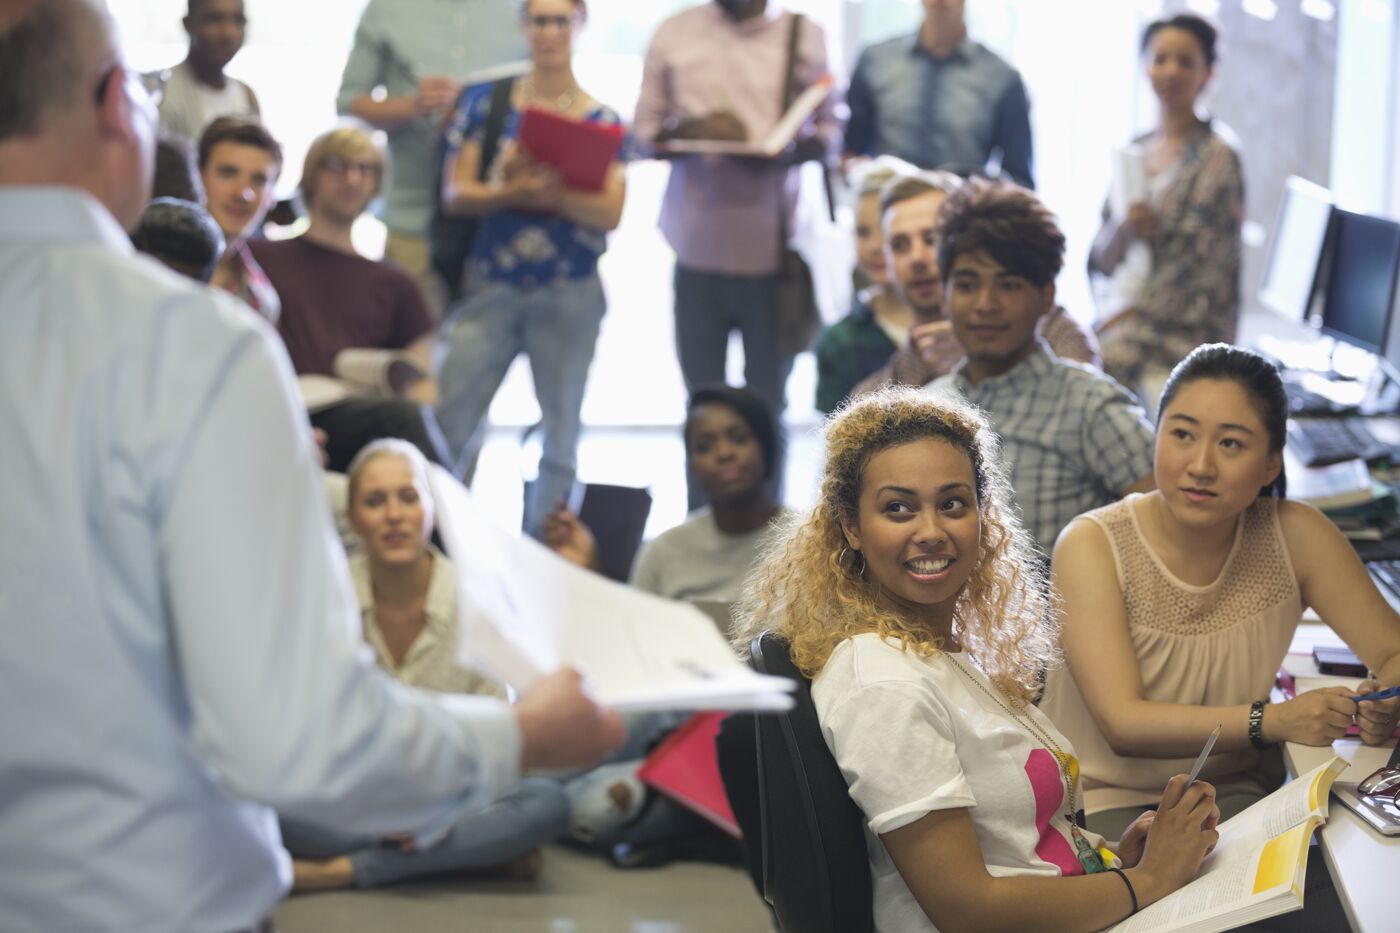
(855, 555)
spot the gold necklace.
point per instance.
(563, 102)
(1088, 857)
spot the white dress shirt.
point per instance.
(431, 660)
(179, 637)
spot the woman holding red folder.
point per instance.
(533, 283)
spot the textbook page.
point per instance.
(781, 136)
(524, 611)
(1257, 869)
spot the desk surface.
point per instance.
(1364, 864)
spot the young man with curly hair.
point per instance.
(1073, 438)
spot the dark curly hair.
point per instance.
(1005, 221)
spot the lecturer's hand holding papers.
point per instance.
(526, 612)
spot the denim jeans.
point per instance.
(536, 813)
(556, 326)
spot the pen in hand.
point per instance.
(1201, 758)
(1385, 694)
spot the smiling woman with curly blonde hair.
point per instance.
(812, 587)
(916, 603)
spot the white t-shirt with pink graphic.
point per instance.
(912, 736)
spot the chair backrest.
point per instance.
(816, 872)
(617, 516)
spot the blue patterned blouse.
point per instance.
(521, 248)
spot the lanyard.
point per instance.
(1088, 856)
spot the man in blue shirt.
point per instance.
(179, 638)
(940, 100)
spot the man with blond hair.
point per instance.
(180, 638)
(334, 299)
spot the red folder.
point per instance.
(685, 768)
(579, 151)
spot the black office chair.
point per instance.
(811, 842)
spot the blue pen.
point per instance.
(1386, 694)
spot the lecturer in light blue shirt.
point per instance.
(939, 99)
(179, 650)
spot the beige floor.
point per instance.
(574, 894)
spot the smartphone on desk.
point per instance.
(1338, 662)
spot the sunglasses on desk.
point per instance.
(1383, 783)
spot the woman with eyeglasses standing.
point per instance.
(533, 283)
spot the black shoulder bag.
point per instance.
(450, 238)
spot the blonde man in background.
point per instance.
(334, 299)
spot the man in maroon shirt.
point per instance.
(334, 299)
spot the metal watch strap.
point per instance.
(1256, 724)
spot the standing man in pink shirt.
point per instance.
(717, 71)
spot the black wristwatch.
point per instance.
(1256, 724)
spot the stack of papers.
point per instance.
(526, 612)
(1335, 486)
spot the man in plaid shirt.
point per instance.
(1072, 438)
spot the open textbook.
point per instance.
(782, 135)
(525, 612)
(1257, 869)
(360, 372)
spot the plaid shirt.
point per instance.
(1072, 439)
(847, 352)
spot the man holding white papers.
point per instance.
(718, 71)
(180, 650)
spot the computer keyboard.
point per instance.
(1303, 401)
(1386, 573)
(1316, 441)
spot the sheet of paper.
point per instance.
(1129, 179)
(524, 612)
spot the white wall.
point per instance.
(1363, 136)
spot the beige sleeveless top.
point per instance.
(1215, 645)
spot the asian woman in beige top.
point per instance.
(1179, 605)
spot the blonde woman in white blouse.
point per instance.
(408, 606)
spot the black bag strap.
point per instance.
(789, 95)
(495, 125)
(790, 66)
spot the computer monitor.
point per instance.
(1363, 265)
(1295, 248)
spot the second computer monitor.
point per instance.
(1361, 279)
(1295, 249)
